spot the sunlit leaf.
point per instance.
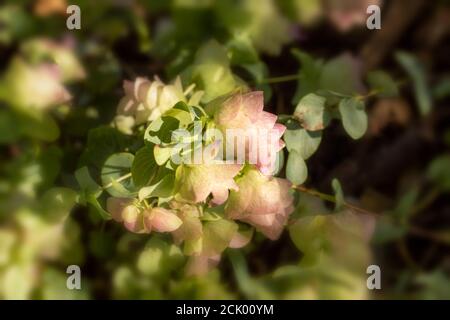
(296, 170)
(115, 167)
(354, 117)
(416, 72)
(303, 141)
(382, 83)
(311, 112)
(144, 166)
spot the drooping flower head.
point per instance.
(35, 86)
(263, 202)
(195, 182)
(60, 53)
(242, 120)
(139, 220)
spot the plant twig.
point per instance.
(426, 201)
(122, 178)
(291, 77)
(430, 235)
(331, 198)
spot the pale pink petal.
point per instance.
(162, 220)
(128, 87)
(115, 207)
(241, 239)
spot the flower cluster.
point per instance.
(147, 100)
(207, 206)
(35, 79)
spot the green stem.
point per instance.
(425, 201)
(331, 198)
(287, 78)
(372, 93)
(441, 238)
(120, 179)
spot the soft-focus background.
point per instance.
(57, 85)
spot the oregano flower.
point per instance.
(263, 202)
(139, 220)
(147, 100)
(242, 114)
(35, 86)
(195, 182)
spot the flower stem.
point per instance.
(426, 201)
(331, 198)
(287, 78)
(120, 179)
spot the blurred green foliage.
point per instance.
(48, 142)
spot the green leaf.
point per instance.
(162, 154)
(217, 235)
(241, 50)
(405, 205)
(211, 71)
(342, 237)
(50, 161)
(90, 191)
(250, 18)
(439, 172)
(212, 52)
(383, 83)
(192, 246)
(354, 117)
(151, 258)
(416, 72)
(115, 167)
(53, 286)
(308, 235)
(259, 72)
(442, 89)
(341, 75)
(144, 166)
(161, 187)
(57, 203)
(85, 180)
(303, 141)
(311, 112)
(9, 130)
(296, 170)
(387, 231)
(435, 285)
(338, 195)
(39, 125)
(17, 23)
(151, 133)
(102, 142)
(92, 199)
(160, 130)
(182, 113)
(309, 75)
(101, 244)
(250, 287)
